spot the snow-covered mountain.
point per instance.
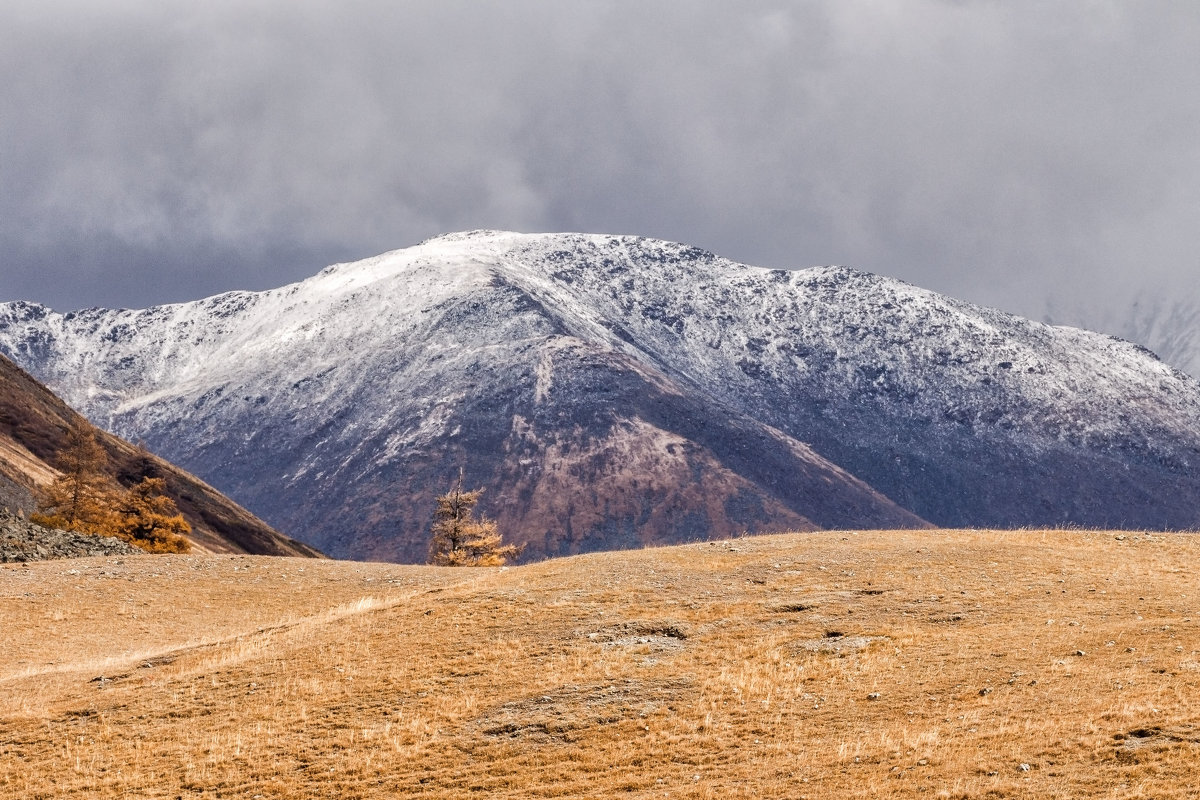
(1169, 326)
(617, 391)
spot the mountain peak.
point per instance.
(473, 235)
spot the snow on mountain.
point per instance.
(616, 391)
(1170, 327)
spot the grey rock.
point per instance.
(22, 541)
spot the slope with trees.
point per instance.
(86, 499)
(35, 426)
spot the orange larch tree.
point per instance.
(86, 499)
(461, 540)
(83, 498)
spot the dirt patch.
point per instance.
(658, 635)
(1130, 744)
(834, 642)
(564, 713)
(794, 608)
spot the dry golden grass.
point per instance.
(969, 665)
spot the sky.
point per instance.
(1013, 153)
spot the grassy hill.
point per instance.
(960, 664)
(33, 430)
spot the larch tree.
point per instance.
(86, 499)
(150, 520)
(83, 498)
(459, 539)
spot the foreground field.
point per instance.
(891, 664)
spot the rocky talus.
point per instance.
(22, 540)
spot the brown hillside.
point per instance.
(33, 426)
(952, 664)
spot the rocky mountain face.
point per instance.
(33, 429)
(618, 392)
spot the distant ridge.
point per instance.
(33, 427)
(1169, 327)
(615, 391)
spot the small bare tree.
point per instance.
(461, 540)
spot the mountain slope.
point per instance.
(618, 391)
(963, 414)
(1168, 326)
(33, 428)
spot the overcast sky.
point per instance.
(1004, 152)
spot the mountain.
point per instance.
(615, 391)
(33, 429)
(1168, 326)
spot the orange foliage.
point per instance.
(85, 499)
(150, 520)
(460, 540)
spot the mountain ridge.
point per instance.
(1168, 326)
(753, 399)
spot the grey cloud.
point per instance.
(1002, 152)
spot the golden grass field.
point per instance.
(960, 664)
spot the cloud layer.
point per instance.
(1005, 152)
